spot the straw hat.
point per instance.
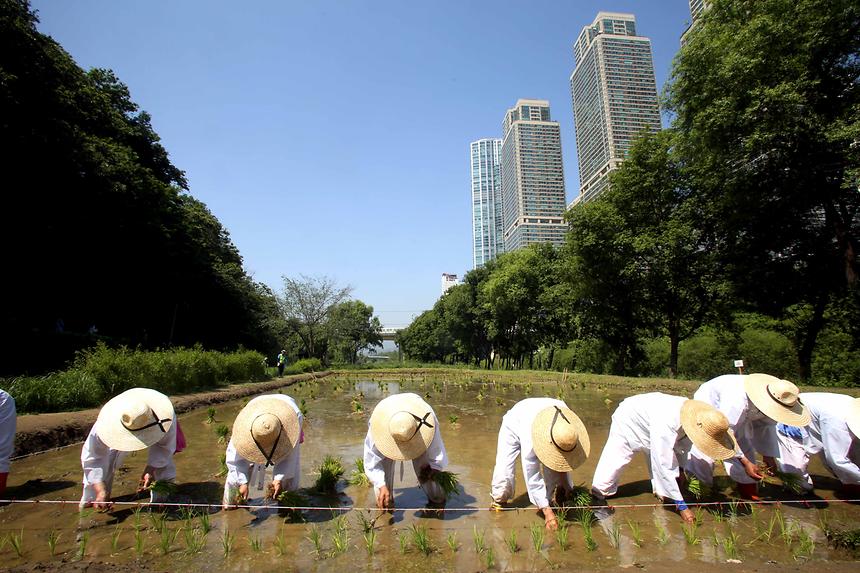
(777, 399)
(402, 426)
(853, 417)
(708, 429)
(134, 420)
(560, 439)
(266, 430)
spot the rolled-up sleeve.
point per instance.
(7, 430)
(95, 457)
(373, 459)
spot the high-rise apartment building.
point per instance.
(533, 198)
(696, 9)
(487, 231)
(614, 97)
(448, 281)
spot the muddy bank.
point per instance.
(39, 432)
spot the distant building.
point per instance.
(487, 232)
(697, 7)
(448, 280)
(533, 197)
(614, 97)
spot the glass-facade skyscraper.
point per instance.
(487, 232)
(533, 197)
(614, 97)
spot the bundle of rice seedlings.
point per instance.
(791, 482)
(448, 481)
(162, 487)
(330, 471)
(697, 487)
(357, 476)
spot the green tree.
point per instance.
(767, 105)
(352, 328)
(306, 304)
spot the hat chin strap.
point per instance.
(158, 422)
(268, 456)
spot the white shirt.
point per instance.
(7, 430)
(239, 469)
(435, 456)
(828, 432)
(652, 422)
(518, 422)
(98, 460)
(754, 431)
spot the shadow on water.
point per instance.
(36, 487)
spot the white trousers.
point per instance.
(167, 473)
(433, 491)
(503, 486)
(703, 466)
(794, 459)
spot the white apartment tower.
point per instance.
(614, 97)
(533, 197)
(487, 232)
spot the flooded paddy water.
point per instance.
(467, 538)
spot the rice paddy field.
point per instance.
(341, 529)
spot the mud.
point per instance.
(264, 538)
(40, 432)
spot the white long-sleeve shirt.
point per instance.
(652, 422)
(286, 470)
(435, 456)
(99, 461)
(7, 430)
(516, 431)
(754, 431)
(828, 432)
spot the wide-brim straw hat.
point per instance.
(266, 430)
(853, 418)
(559, 439)
(134, 420)
(777, 399)
(708, 429)
(402, 426)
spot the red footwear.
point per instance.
(749, 491)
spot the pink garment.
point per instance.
(180, 438)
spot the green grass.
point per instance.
(328, 474)
(101, 372)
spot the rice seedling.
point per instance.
(730, 545)
(162, 487)
(280, 544)
(662, 533)
(114, 538)
(537, 533)
(316, 539)
(138, 542)
(166, 539)
(254, 543)
(358, 477)
(845, 539)
(205, 525)
(369, 541)
(691, 535)
(451, 540)
(699, 515)
(330, 471)
(734, 508)
(453, 419)
(420, 539)
(404, 543)
(157, 520)
(357, 408)
(489, 558)
(635, 532)
(697, 487)
(82, 544)
(615, 534)
(561, 536)
(478, 540)
(221, 431)
(480, 396)
(340, 537)
(227, 540)
(805, 545)
(303, 407)
(511, 541)
(53, 537)
(195, 539)
(16, 540)
(448, 481)
(588, 536)
(210, 415)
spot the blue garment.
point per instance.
(790, 431)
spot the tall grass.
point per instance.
(101, 372)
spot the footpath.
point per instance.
(40, 432)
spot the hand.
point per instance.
(102, 503)
(276, 489)
(688, 516)
(146, 478)
(243, 491)
(383, 499)
(771, 465)
(550, 519)
(751, 469)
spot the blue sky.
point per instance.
(332, 138)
